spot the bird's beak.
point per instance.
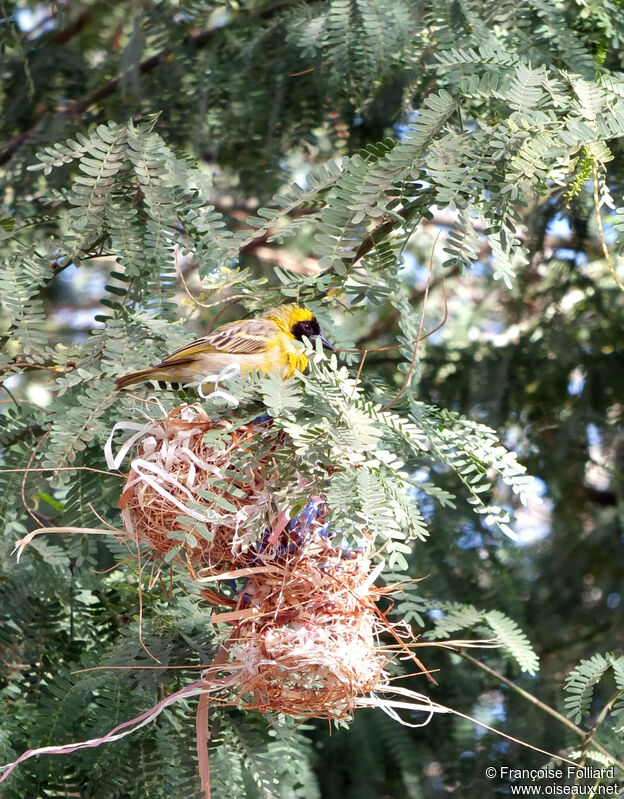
(324, 342)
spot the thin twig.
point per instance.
(359, 372)
(408, 376)
(605, 249)
(142, 565)
(35, 367)
(18, 400)
(25, 477)
(386, 323)
(538, 703)
(63, 469)
(414, 342)
(144, 668)
(101, 518)
(589, 739)
(194, 300)
(520, 741)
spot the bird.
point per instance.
(262, 344)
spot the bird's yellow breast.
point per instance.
(287, 355)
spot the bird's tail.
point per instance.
(140, 376)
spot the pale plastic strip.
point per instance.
(194, 689)
(115, 461)
(141, 463)
(167, 495)
(227, 373)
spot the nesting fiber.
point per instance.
(311, 671)
(306, 640)
(175, 462)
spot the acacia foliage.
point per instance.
(504, 117)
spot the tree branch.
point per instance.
(198, 40)
(63, 36)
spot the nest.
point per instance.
(306, 636)
(196, 483)
(305, 626)
(308, 670)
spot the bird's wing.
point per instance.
(251, 336)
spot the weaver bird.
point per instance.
(264, 344)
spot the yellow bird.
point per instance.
(264, 344)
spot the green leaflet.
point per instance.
(458, 617)
(581, 683)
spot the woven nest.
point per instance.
(310, 670)
(306, 641)
(176, 461)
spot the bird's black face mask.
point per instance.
(310, 329)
